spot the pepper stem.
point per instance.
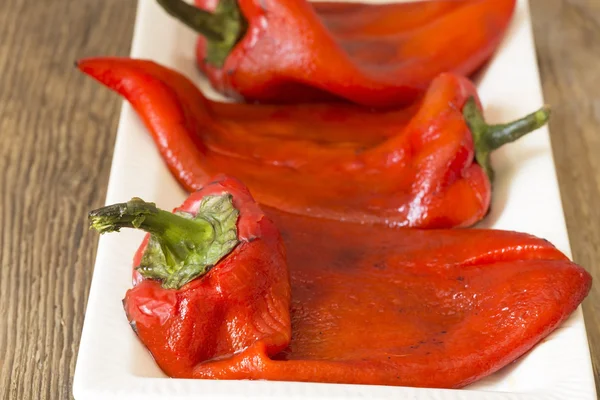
(488, 138)
(222, 28)
(182, 247)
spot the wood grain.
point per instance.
(567, 34)
(56, 138)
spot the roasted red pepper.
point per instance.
(210, 281)
(370, 305)
(374, 55)
(414, 167)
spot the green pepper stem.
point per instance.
(182, 247)
(222, 28)
(501, 134)
(209, 25)
(173, 230)
(488, 138)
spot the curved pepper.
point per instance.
(187, 308)
(374, 55)
(370, 305)
(403, 168)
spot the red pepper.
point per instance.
(210, 280)
(427, 166)
(370, 304)
(374, 55)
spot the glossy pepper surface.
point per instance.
(369, 305)
(376, 55)
(425, 166)
(228, 290)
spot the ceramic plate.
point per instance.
(113, 364)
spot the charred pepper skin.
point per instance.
(422, 308)
(279, 51)
(243, 299)
(409, 307)
(426, 166)
(369, 304)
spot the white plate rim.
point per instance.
(105, 371)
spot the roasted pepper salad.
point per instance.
(319, 242)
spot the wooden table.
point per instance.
(57, 132)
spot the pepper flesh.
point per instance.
(410, 307)
(370, 305)
(242, 300)
(375, 55)
(414, 167)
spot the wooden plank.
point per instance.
(567, 34)
(57, 133)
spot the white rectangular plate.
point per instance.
(113, 364)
